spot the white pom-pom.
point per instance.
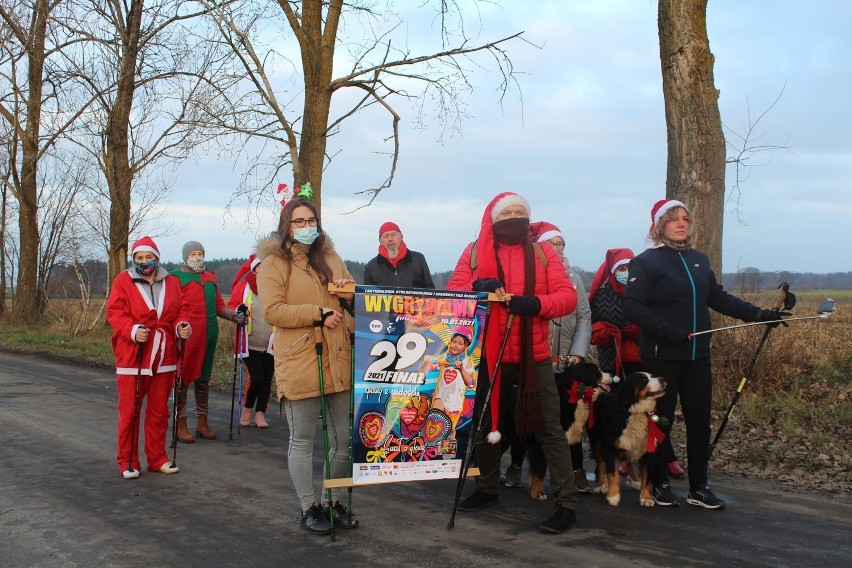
(494, 437)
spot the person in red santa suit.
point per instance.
(201, 289)
(147, 313)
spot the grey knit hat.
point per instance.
(190, 246)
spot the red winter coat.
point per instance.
(129, 306)
(552, 287)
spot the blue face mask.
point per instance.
(621, 277)
(306, 235)
(146, 268)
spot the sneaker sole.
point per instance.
(698, 503)
(665, 503)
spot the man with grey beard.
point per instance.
(396, 266)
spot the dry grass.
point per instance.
(793, 421)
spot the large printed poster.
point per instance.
(417, 358)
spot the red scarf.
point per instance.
(403, 250)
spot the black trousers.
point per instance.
(261, 367)
(692, 382)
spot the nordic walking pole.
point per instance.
(787, 301)
(134, 440)
(324, 411)
(176, 396)
(240, 388)
(772, 322)
(237, 347)
(347, 307)
(474, 434)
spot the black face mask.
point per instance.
(512, 231)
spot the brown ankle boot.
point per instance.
(184, 435)
(202, 430)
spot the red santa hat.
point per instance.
(659, 209)
(388, 226)
(606, 272)
(145, 244)
(544, 231)
(245, 268)
(507, 200)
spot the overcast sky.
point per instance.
(584, 140)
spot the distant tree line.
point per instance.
(67, 280)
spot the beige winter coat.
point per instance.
(292, 296)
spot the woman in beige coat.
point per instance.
(293, 284)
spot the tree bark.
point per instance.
(29, 297)
(695, 172)
(119, 173)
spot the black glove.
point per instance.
(486, 285)
(676, 335)
(241, 314)
(772, 315)
(524, 305)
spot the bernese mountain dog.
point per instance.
(625, 423)
(578, 386)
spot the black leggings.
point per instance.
(693, 382)
(260, 366)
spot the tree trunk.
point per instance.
(317, 61)
(695, 171)
(119, 173)
(29, 297)
(4, 192)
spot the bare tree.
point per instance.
(146, 62)
(695, 171)
(382, 71)
(750, 150)
(35, 112)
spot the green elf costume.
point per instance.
(201, 291)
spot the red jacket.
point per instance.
(130, 306)
(552, 287)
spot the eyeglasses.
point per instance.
(558, 244)
(302, 222)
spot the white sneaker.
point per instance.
(130, 473)
(168, 467)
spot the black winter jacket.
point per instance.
(674, 289)
(411, 272)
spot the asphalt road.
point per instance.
(63, 503)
